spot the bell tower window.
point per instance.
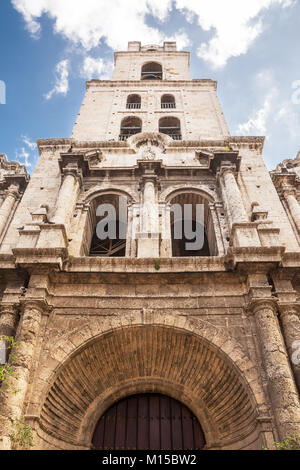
(168, 102)
(133, 102)
(152, 71)
(170, 126)
(130, 126)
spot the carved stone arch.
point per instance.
(115, 202)
(97, 191)
(161, 141)
(181, 199)
(170, 125)
(174, 191)
(152, 70)
(104, 361)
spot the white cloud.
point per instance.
(96, 68)
(61, 80)
(22, 156)
(236, 24)
(257, 124)
(27, 152)
(90, 21)
(32, 145)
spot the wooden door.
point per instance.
(148, 422)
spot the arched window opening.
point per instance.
(130, 126)
(133, 102)
(148, 422)
(170, 126)
(108, 226)
(168, 102)
(192, 227)
(152, 71)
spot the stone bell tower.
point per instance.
(198, 339)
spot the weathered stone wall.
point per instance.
(104, 108)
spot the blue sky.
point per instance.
(48, 48)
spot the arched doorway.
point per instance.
(148, 422)
(192, 227)
(154, 358)
(106, 230)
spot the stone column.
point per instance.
(8, 320)
(233, 196)
(148, 245)
(293, 207)
(283, 394)
(150, 209)
(135, 228)
(129, 232)
(11, 197)
(27, 336)
(8, 324)
(67, 195)
(290, 321)
(166, 242)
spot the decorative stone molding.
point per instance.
(225, 160)
(247, 256)
(154, 140)
(237, 143)
(13, 173)
(41, 304)
(31, 258)
(257, 304)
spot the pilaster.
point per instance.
(284, 397)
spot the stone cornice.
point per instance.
(153, 83)
(209, 145)
(141, 265)
(285, 182)
(14, 174)
(159, 52)
(31, 258)
(291, 260)
(11, 166)
(242, 260)
(259, 259)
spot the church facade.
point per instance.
(143, 339)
